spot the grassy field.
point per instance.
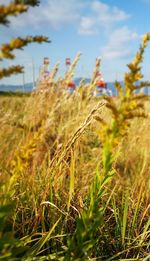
(74, 174)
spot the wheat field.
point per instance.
(74, 173)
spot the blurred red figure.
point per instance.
(101, 85)
(99, 81)
(71, 86)
(68, 61)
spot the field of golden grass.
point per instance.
(74, 173)
(52, 146)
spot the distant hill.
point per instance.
(110, 85)
(16, 88)
(29, 87)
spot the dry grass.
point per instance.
(50, 153)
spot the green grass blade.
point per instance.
(71, 185)
(37, 247)
(125, 216)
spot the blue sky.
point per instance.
(110, 29)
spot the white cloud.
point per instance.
(119, 43)
(51, 13)
(57, 13)
(107, 14)
(102, 17)
(61, 12)
(87, 26)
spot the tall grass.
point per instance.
(75, 171)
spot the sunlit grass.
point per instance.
(74, 173)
